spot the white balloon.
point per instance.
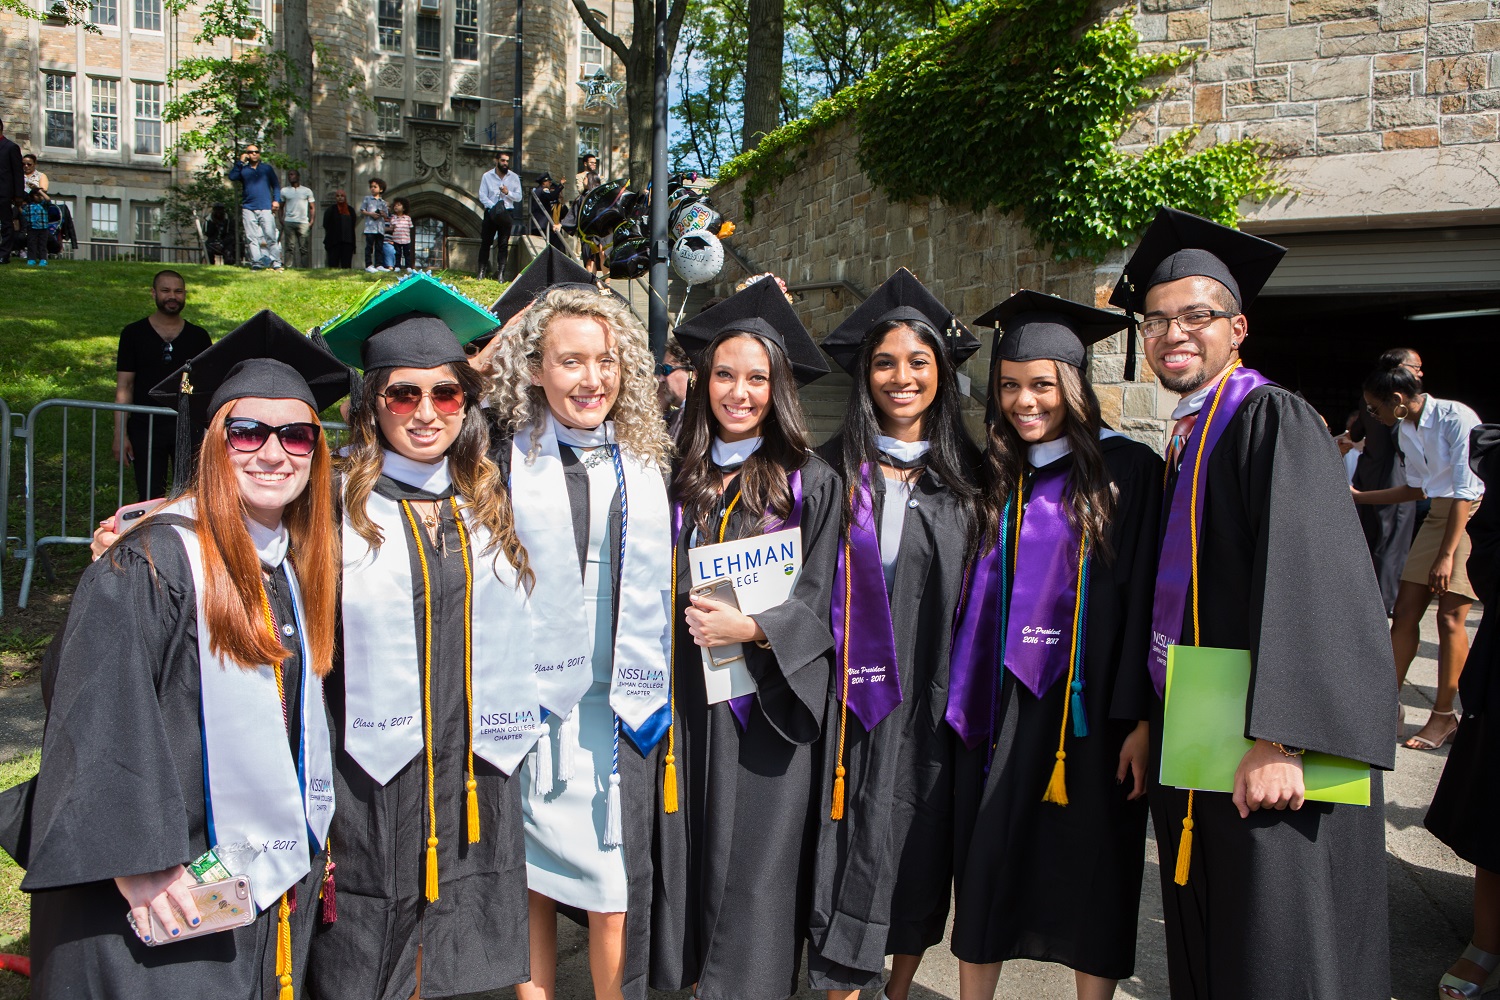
(697, 257)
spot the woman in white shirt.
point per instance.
(1434, 438)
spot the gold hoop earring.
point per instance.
(1400, 410)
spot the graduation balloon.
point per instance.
(698, 257)
(694, 215)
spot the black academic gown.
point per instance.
(733, 864)
(120, 791)
(1057, 883)
(1466, 806)
(1388, 528)
(883, 874)
(1285, 904)
(474, 938)
(640, 785)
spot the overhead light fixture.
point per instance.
(1456, 314)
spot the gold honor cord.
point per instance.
(284, 907)
(836, 807)
(470, 784)
(432, 837)
(1057, 787)
(1185, 845)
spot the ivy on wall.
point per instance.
(1019, 105)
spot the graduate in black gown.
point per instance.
(1260, 903)
(174, 729)
(734, 842)
(1051, 774)
(435, 701)
(883, 872)
(1466, 806)
(587, 458)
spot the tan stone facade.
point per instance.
(439, 79)
(1384, 115)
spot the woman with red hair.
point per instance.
(187, 738)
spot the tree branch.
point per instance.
(602, 33)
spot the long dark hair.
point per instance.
(1091, 495)
(951, 454)
(763, 479)
(476, 477)
(1392, 376)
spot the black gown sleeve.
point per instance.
(791, 677)
(1138, 477)
(109, 800)
(1321, 653)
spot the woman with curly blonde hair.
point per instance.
(587, 458)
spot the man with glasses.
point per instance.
(1261, 553)
(150, 350)
(258, 206)
(674, 377)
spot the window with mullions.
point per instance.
(466, 113)
(148, 223)
(388, 117)
(466, 29)
(104, 221)
(147, 15)
(590, 49)
(429, 35)
(427, 111)
(104, 113)
(58, 88)
(427, 242)
(588, 140)
(148, 118)
(388, 18)
(105, 12)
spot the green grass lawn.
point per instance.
(59, 329)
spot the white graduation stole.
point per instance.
(640, 680)
(256, 794)
(383, 666)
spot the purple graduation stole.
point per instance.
(1042, 598)
(741, 706)
(1174, 573)
(870, 685)
(978, 639)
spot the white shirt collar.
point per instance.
(734, 452)
(1047, 452)
(905, 451)
(270, 543)
(1193, 401)
(431, 477)
(581, 438)
(1428, 415)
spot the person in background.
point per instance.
(374, 210)
(218, 236)
(298, 205)
(259, 203)
(1466, 806)
(12, 193)
(399, 234)
(1388, 528)
(1435, 443)
(674, 380)
(499, 193)
(35, 217)
(588, 175)
(546, 210)
(338, 231)
(32, 177)
(150, 350)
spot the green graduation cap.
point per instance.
(348, 333)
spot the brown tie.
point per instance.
(1178, 441)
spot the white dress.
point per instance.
(566, 857)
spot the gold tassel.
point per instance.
(1057, 787)
(669, 781)
(837, 809)
(473, 787)
(284, 949)
(432, 878)
(1185, 845)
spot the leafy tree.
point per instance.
(72, 12)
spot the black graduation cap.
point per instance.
(265, 357)
(1181, 245)
(412, 340)
(550, 269)
(902, 297)
(758, 308)
(1030, 326)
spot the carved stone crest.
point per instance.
(390, 76)
(428, 80)
(468, 84)
(434, 153)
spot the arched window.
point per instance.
(428, 243)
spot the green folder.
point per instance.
(1203, 733)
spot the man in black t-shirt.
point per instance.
(150, 350)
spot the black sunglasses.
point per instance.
(664, 369)
(248, 435)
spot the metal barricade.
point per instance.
(69, 491)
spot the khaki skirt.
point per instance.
(1429, 541)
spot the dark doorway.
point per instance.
(1324, 345)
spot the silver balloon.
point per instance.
(697, 257)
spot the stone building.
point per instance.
(1384, 114)
(439, 81)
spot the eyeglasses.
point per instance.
(1192, 321)
(403, 397)
(665, 369)
(248, 435)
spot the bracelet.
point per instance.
(763, 643)
(1287, 751)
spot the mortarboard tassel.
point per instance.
(182, 458)
(328, 891)
(1185, 845)
(1130, 349)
